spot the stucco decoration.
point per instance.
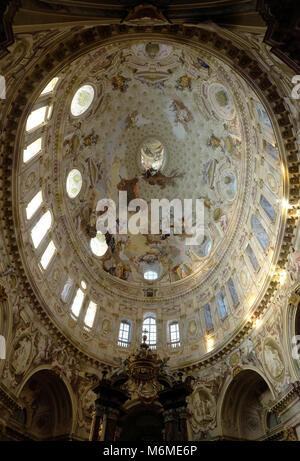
(22, 354)
(273, 359)
(202, 407)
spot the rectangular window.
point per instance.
(34, 205)
(32, 150)
(90, 314)
(174, 334)
(124, 334)
(252, 258)
(233, 293)
(66, 290)
(267, 207)
(41, 228)
(208, 318)
(77, 302)
(50, 87)
(48, 255)
(271, 150)
(36, 118)
(222, 304)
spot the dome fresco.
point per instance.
(154, 120)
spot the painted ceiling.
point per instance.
(218, 145)
(155, 91)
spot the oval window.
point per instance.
(82, 100)
(150, 275)
(98, 244)
(74, 183)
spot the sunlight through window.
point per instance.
(34, 205)
(48, 255)
(41, 228)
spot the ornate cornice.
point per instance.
(84, 41)
(281, 404)
(8, 401)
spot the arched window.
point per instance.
(208, 317)
(174, 334)
(267, 207)
(233, 292)
(124, 334)
(222, 305)
(149, 329)
(259, 232)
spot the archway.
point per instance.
(243, 411)
(48, 407)
(142, 423)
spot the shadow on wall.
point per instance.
(244, 409)
(143, 424)
(48, 408)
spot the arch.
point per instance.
(49, 405)
(291, 329)
(242, 411)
